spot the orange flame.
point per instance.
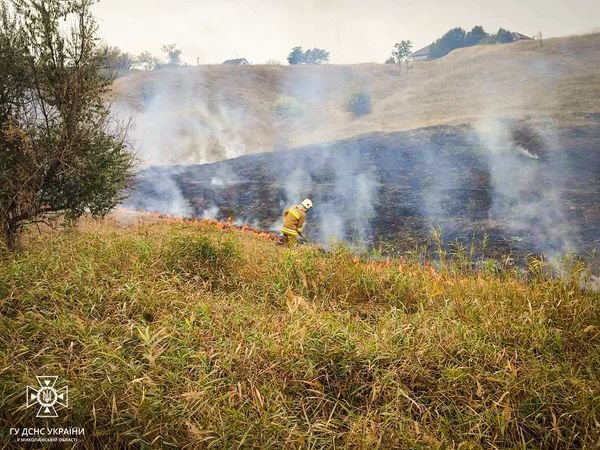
(226, 225)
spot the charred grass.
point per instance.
(185, 335)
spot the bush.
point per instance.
(288, 107)
(359, 103)
(197, 256)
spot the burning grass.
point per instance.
(193, 334)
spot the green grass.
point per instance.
(185, 335)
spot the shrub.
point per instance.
(288, 107)
(359, 103)
(197, 256)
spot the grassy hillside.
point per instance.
(232, 109)
(189, 334)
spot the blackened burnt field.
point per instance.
(504, 185)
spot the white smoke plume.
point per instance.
(526, 192)
(346, 192)
(174, 126)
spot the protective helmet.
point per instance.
(307, 203)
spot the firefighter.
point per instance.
(293, 220)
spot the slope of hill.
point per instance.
(209, 113)
(187, 335)
(521, 187)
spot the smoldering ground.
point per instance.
(397, 187)
(527, 173)
(516, 182)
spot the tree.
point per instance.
(501, 37)
(457, 38)
(296, 56)
(402, 52)
(310, 56)
(116, 61)
(453, 39)
(173, 54)
(504, 36)
(316, 56)
(60, 156)
(475, 36)
(148, 61)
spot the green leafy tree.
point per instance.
(296, 56)
(60, 155)
(310, 56)
(173, 54)
(116, 61)
(453, 39)
(475, 36)
(457, 38)
(501, 37)
(316, 56)
(147, 61)
(504, 36)
(402, 52)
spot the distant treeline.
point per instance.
(458, 38)
(118, 62)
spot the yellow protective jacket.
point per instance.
(293, 220)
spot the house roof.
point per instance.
(519, 36)
(237, 61)
(422, 52)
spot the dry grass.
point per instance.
(559, 81)
(185, 335)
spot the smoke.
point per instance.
(297, 183)
(163, 194)
(350, 212)
(437, 185)
(174, 124)
(526, 188)
(343, 187)
(519, 169)
(210, 213)
(525, 152)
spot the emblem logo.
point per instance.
(47, 396)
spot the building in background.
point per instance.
(237, 62)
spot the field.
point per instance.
(208, 113)
(198, 335)
(189, 333)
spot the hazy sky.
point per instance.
(352, 30)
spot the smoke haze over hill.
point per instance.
(503, 163)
